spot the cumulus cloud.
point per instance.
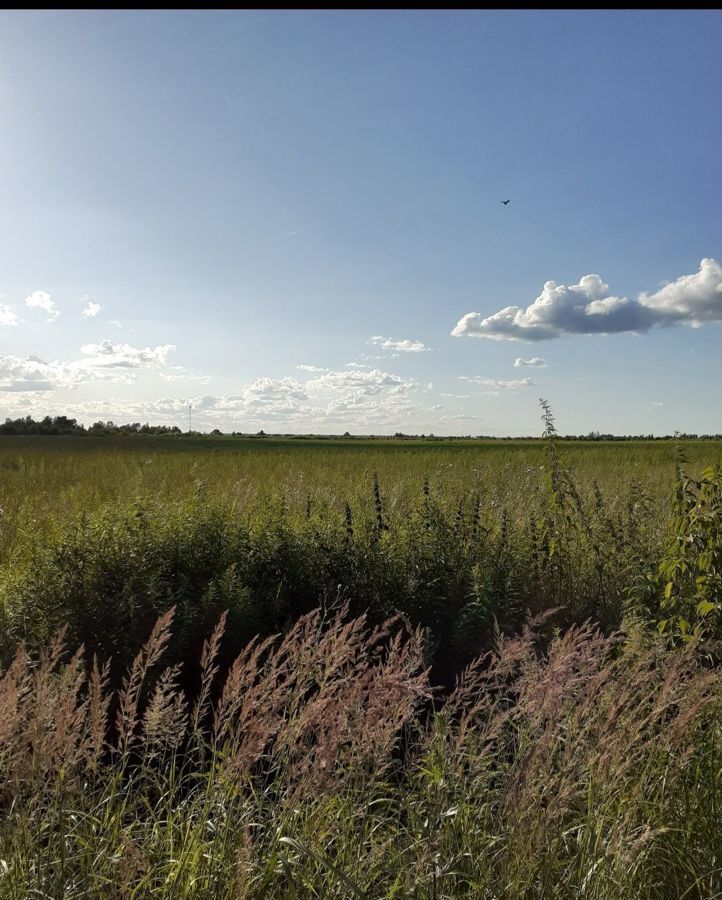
(366, 397)
(692, 298)
(100, 362)
(7, 315)
(534, 362)
(370, 401)
(323, 399)
(589, 308)
(399, 346)
(265, 400)
(327, 400)
(371, 381)
(27, 373)
(91, 310)
(106, 354)
(273, 396)
(42, 300)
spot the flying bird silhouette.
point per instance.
(505, 202)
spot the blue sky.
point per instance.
(195, 204)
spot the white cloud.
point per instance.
(331, 400)
(326, 401)
(495, 385)
(368, 382)
(692, 298)
(400, 346)
(305, 368)
(588, 308)
(27, 373)
(368, 401)
(534, 362)
(7, 315)
(106, 354)
(91, 310)
(42, 300)
(274, 401)
(273, 396)
(184, 376)
(101, 362)
(363, 358)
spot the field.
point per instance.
(484, 669)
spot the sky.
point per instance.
(292, 221)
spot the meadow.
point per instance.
(414, 669)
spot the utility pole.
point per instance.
(190, 418)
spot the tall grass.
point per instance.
(268, 670)
(46, 483)
(459, 559)
(323, 764)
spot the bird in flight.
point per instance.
(505, 202)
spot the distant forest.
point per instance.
(62, 425)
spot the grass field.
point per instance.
(48, 480)
(488, 742)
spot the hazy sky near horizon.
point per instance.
(292, 220)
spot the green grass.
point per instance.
(103, 534)
(574, 761)
(49, 480)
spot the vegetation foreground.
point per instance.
(464, 671)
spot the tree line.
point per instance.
(63, 425)
(56, 425)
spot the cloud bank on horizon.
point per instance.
(589, 308)
(327, 399)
